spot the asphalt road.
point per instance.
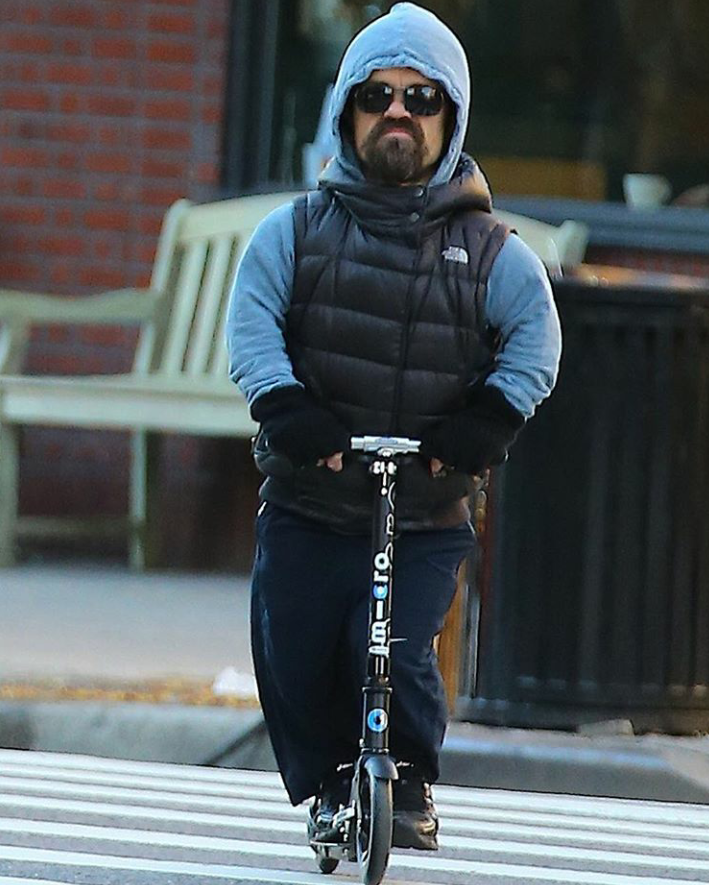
(75, 819)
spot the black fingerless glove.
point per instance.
(477, 437)
(297, 427)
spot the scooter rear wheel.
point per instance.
(374, 826)
(327, 864)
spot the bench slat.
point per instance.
(212, 297)
(220, 357)
(186, 296)
(121, 403)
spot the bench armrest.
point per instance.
(116, 307)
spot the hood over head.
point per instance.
(406, 37)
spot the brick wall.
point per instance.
(111, 109)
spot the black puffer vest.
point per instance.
(387, 329)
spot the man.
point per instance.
(390, 301)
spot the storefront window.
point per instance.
(569, 95)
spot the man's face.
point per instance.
(395, 146)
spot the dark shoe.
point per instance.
(415, 818)
(334, 794)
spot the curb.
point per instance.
(143, 732)
(623, 768)
(649, 768)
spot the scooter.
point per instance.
(366, 823)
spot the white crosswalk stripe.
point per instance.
(95, 821)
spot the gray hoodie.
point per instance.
(519, 301)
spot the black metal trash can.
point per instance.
(597, 604)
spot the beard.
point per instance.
(394, 160)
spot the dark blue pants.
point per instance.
(309, 612)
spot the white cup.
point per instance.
(645, 191)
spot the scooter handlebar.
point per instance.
(380, 445)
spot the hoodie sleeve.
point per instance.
(255, 326)
(521, 306)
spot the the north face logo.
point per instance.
(456, 253)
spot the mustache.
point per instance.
(384, 126)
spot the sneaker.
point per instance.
(415, 818)
(334, 794)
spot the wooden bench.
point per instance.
(179, 381)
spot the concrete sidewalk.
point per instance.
(76, 641)
(105, 623)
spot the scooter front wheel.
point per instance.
(374, 826)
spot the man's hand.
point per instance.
(436, 466)
(299, 428)
(474, 438)
(334, 462)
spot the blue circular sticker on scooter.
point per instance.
(377, 720)
(380, 591)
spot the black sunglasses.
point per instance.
(419, 100)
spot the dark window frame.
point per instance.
(247, 145)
